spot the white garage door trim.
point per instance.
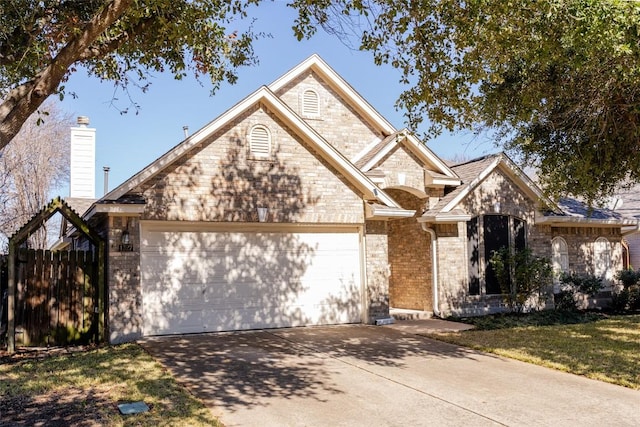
(199, 277)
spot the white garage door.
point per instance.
(196, 281)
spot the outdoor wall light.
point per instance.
(402, 178)
(496, 207)
(125, 238)
(262, 214)
(125, 241)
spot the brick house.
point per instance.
(302, 205)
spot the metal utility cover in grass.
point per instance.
(133, 408)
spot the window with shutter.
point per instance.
(310, 103)
(260, 142)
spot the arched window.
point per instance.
(260, 141)
(602, 259)
(559, 257)
(310, 103)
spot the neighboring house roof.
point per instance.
(627, 202)
(337, 83)
(267, 98)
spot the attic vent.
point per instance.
(260, 141)
(310, 103)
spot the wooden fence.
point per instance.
(56, 297)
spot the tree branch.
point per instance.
(25, 99)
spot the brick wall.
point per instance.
(377, 268)
(496, 194)
(220, 182)
(410, 258)
(402, 162)
(581, 241)
(124, 315)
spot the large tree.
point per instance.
(556, 81)
(34, 165)
(42, 41)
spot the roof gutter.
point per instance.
(445, 219)
(586, 222)
(378, 211)
(115, 209)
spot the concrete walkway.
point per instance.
(380, 376)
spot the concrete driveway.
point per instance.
(379, 376)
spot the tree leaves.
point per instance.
(557, 80)
(41, 42)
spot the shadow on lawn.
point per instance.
(67, 407)
(242, 369)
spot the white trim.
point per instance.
(380, 154)
(263, 96)
(366, 150)
(315, 63)
(373, 211)
(432, 181)
(445, 219)
(115, 209)
(511, 169)
(258, 227)
(414, 145)
(472, 185)
(426, 153)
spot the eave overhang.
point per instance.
(375, 211)
(117, 209)
(445, 218)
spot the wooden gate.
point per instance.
(56, 297)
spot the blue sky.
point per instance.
(129, 142)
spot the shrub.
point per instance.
(572, 286)
(627, 297)
(522, 276)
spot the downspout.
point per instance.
(434, 267)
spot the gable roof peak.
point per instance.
(338, 84)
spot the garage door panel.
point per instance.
(213, 281)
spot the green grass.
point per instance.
(86, 387)
(605, 348)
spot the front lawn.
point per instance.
(605, 348)
(85, 388)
